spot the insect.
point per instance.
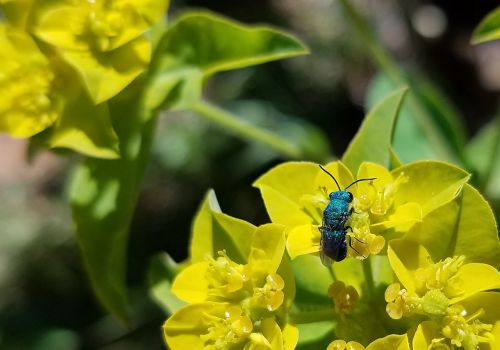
(333, 228)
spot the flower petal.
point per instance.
(290, 336)
(368, 170)
(304, 239)
(106, 74)
(426, 331)
(403, 218)
(190, 284)
(406, 257)
(282, 188)
(182, 330)
(272, 332)
(475, 278)
(391, 342)
(341, 173)
(267, 249)
(214, 231)
(27, 104)
(430, 184)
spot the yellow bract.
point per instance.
(296, 193)
(28, 103)
(103, 39)
(239, 300)
(441, 291)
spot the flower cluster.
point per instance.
(235, 305)
(63, 60)
(400, 286)
(441, 292)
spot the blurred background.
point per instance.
(319, 100)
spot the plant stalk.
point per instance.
(313, 316)
(246, 130)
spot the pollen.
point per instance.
(441, 275)
(225, 277)
(463, 330)
(223, 333)
(271, 295)
(399, 302)
(376, 199)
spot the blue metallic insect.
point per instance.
(333, 228)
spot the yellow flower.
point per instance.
(103, 40)
(342, 345)
(443, 292)
(242, 302)
(296, 193)
(28, 104)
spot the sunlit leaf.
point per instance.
(483, 155)
(214, 231)
(488, 29)
(410, 140)
(373, 139)
(199, 44)
(103, 196)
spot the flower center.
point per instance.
(441, 275)
(271, 295)
(106, 21)
(225, 332)
(463, 330)
(225, 277)
(27, 88)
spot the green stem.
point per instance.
(246, 130)
(313, 316)
(390, 69)
(368, 273)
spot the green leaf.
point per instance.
(373, 139)
(411, 142)
(465, 226)
(161, 273)
(312, 280)
(313, 336)
(488, 29)
(214, 231)
(375, 51)
(199, 44)
(483, 155)
(103, 196)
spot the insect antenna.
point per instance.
(326, 171)
(359, 180)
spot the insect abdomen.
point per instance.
(333, 243)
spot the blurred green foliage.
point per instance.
(315, 103)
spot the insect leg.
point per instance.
(350, 245)
(355, 237)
